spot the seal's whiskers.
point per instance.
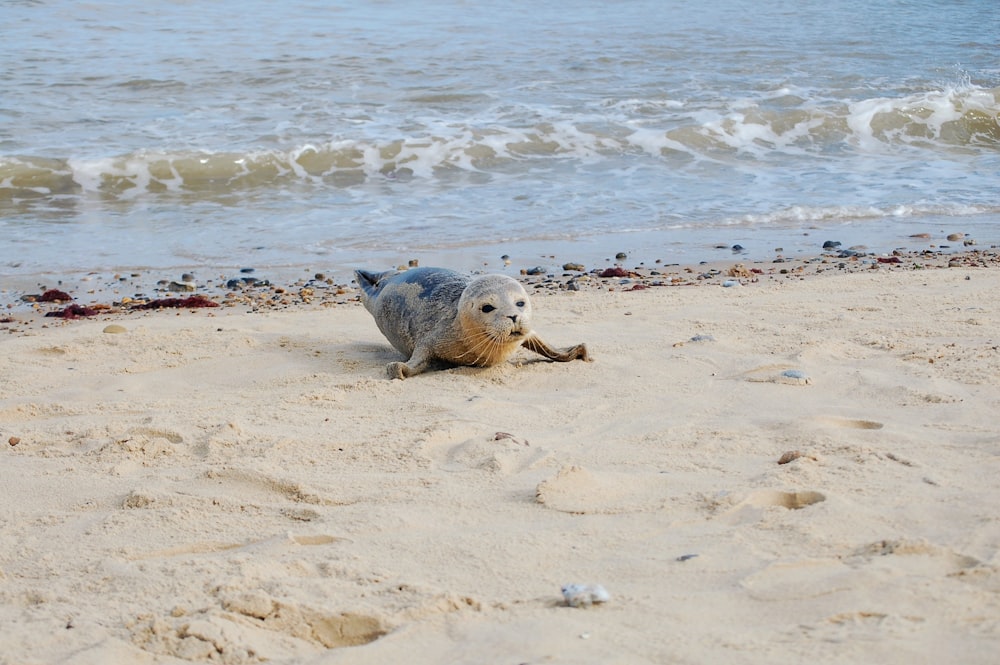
(485, 346)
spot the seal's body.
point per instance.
(435, 315)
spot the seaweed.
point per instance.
(189, 303)
(55, 295)
(74, 312)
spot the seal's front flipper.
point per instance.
(578, 352)
(418, 363)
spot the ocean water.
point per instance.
(305, 135)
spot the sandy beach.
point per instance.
(800, 466)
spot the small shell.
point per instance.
(584, 595)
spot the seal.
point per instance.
(436, 316)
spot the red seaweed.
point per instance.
(615, 272)
(74, 312)
(55, 295)
(889, 259)
(190, 303)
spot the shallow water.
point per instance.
(317, 135)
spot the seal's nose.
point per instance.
(513, 317)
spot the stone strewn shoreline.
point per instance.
(118, 296)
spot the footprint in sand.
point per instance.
(912, 556)
(579, 491)
(751, 508)
(467, 446)
(252, 626)
(879, 563)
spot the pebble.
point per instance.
(115, 329)
(180, 287)
(584, 595)
(703, 338)
(537, 270)
(956, 236)
(790, 456)
(247, 270)
(246, 281)
(731, 282)
(187, 277)
(737, 248)
(621, 256)
(830, 244)
(13, 441)
(573, 266)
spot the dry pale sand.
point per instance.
(237, 488)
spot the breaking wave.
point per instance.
(952, 121)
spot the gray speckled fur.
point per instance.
(424, 316)
(413, 304)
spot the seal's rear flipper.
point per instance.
(368, 281)
(578, 352)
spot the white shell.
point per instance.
(583, 595)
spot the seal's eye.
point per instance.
(520, 303)
(488, 308)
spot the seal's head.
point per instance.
(495, 314)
